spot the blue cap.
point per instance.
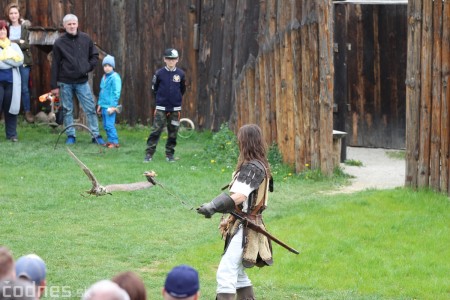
(182, 282)
(109, 60)
(31, 267)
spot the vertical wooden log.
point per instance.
(262, 95)
(271, 99)
(306, 96)
(282, 105)
(435, 162)
(306, 85)
(425, 95)
(445, 90)
(261, 98)
(413, 91)
(287, 83)
(243, 106)
(277, 63)
(299, 138)
(257, 93)
(326, 74)
(240, 103)
(314, 86)
(250, 78)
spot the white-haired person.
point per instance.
(105, 290)
(74, 56)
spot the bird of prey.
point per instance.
(99, 190)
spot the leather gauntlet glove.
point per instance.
(222, 203)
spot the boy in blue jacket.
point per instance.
(108, 100)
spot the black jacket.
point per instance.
(74, 56)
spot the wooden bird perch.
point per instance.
(100, 190)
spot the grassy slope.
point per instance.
(370, 245)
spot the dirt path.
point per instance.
(379, 171)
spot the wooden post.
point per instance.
(326, 77)
(299, 138)
(425, 95)
(445, 133)
(413, 91)
(435, 162)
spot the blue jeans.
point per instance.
(25, 76)
(109, 124)
(84, 95)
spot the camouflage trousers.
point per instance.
(162, 119)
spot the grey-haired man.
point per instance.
(74, 56)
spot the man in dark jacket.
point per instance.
(74, 56)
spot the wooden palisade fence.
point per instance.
(288, 89)
(271, 58)
(428, 95)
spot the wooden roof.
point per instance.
(43, 36)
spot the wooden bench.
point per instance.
(337, 144)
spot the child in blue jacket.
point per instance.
(108, 100)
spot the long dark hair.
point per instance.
(252, 146)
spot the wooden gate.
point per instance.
(370, 68)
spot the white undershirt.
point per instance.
(242, 188)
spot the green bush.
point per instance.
(223, 147)
(274, 155)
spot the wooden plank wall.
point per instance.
(375, 44)
(292, 78)
(249, 54)
(136, 32)
(428, 95)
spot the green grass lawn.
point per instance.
(391, 244)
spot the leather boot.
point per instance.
(245, 293)
(223, 296)
(29, 117)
